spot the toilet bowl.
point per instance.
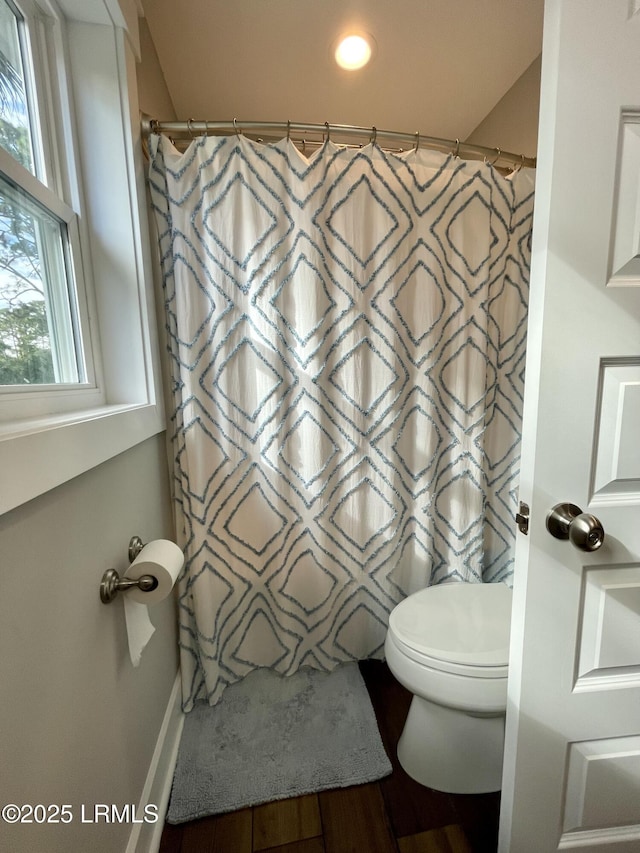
(449, 646)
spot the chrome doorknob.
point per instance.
(567, 521)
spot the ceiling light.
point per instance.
(353, 51)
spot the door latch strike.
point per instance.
(522, 518)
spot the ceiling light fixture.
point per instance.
(353, 51)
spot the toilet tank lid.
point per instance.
(457, 622)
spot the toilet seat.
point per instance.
(467, 670)
(460, 628)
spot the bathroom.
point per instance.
(79, 724)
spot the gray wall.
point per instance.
(152, 89)
(78, 723)
(513, 122)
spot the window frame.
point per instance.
(52, 433)
(50, 118)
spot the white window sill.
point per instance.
(38, 455)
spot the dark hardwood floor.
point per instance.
(394, 815)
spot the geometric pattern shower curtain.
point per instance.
(347, 341)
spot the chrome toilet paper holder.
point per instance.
(111, 583)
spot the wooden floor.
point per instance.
(394, 815)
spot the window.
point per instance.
(15, 125)
(79, 362)
(40, 328)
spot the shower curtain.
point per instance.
(347, 342)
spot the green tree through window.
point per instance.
(25, 347)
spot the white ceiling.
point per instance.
(440, 67)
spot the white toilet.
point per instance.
(449, 645)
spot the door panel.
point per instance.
(616, 470)
(624, 268)
(572, 756)
(607, 655)
(603, 784)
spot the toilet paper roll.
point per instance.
(162, 559)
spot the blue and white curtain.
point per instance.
(347, 343)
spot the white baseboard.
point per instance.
(145, 837)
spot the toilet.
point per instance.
(449, 645)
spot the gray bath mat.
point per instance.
(272, 737)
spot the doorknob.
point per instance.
(567, 521)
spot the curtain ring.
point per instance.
(189, 122)
(456, 153)
(288, 130)
(417, 141)
(374, 135)
(237, 129)
(328, 126)
(493, 162)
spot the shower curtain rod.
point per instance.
(337, 132)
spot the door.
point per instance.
(572, 756)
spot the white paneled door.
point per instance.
(572, 758)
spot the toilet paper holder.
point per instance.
(111, 583)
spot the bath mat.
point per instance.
(272, 737)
